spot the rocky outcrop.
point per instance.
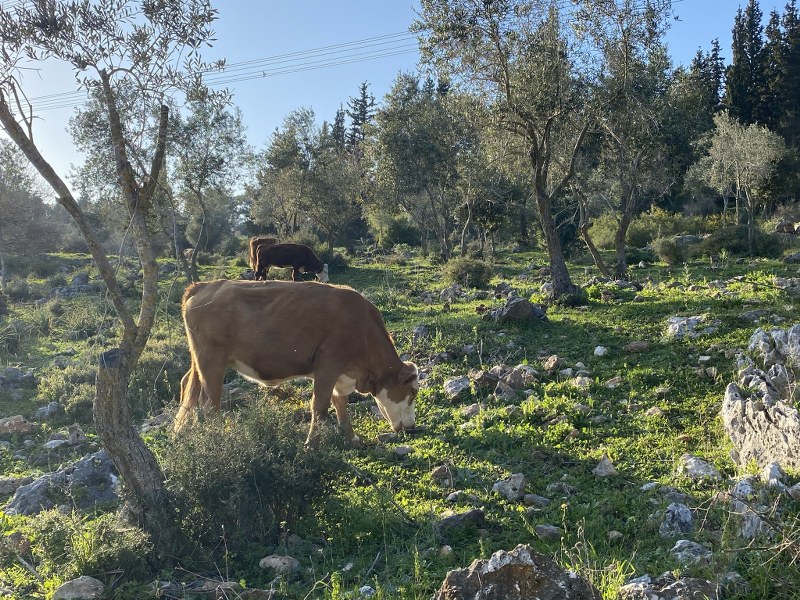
(516, 575)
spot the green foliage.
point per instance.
(400, 231)
(670, 251)
(240, 477)
(67, 545)
(468, 272)
(3, 304)
(734, 241)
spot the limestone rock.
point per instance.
(281, 564)
(689, 553)
(512, 488)
(82, 588)
(457, 389)
(517, 575)
(678, 520)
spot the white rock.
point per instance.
(281, 564)
(605, 468)
(82, 588)
(600, 351)
(512, 488)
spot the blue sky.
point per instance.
(290, 40)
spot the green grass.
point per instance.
(379, 513)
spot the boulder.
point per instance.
(280, 564)
(511, 488)
(458, 388)
(520, 574)
(760, 432)
(82, 588)
(678, 520)
(89, 481)
(518, 310)
(667, 587)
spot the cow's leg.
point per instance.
(190, 393)
(296, 274)
(342, 416)
(320, 403)
(211, 372)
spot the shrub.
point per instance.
(734, 240)
(468, 272)
(3, 304)
(400, 231)
(670, 251)
(244, 475)
(19, 290)
(69, 545)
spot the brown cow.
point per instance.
(255, 242)
(278, 330)
(299, 257)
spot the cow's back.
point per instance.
(263, 322)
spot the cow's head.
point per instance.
(396, 401)
(323, 274)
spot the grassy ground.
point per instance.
(375, 522)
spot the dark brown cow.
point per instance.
(299, 257)
(255, 242)
(279, 330)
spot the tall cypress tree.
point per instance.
(745, 82)
(361, 110)
(788, 90)
(338, 131)
(774, 66)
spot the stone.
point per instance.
(504, 392)
(761, 433)
(637, 346)
(613, 383)
(520, 574)
(605, 468)
(442, 474)
(403, 450)
(678, 520)
(698, 469)
(9, 485)
(519, 310)
(536, 501)
(667, 587)
(472, 518)
(551, 363)
(483, 378)
(50, 411)
(81, 279)
(82, 588)
(600, 351)
(582, 382)
(93, 476)
(549, 533)
(773, 475)
(689, 553)
(284, 565)
(15, 424)
(457, 389)
(654, 411)
(511, 488)
(472, 410)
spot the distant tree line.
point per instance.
(526, 123)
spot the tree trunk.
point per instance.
(583, 231)
(464, 230)
(562, 283)
(621, 268)
(141, 475)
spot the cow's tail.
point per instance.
(190, 291)
(190, 393)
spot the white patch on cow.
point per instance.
(249, 373)
(323, 275)
(344, 385)
(399, 414)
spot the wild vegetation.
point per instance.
(515, 157)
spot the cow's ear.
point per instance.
(408, 373)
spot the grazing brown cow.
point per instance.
(278, 330)
(299, 257)
(255, 242)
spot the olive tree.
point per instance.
(536, 65)
(150, 46)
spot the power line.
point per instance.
(324, 57)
